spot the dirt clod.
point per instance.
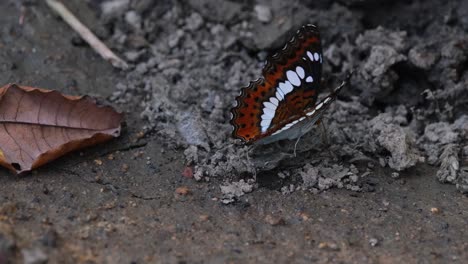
(34, 256)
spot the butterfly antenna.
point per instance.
(344, 83)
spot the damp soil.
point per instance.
(384, 182)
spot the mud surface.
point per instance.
(383, 182)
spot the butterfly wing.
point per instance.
(290, 83)
(296, 127)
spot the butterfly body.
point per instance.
(283, 104)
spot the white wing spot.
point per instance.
(286, 87)
(309, 79)
(316, 56)
(293, 78)
(266, 116)
(278, 89)
(269, 112)
(309, 54)
(319, 106)
(300, 72)
(265, 124)
(274, 101)
(327, 100)
(277, 132)
(289, 125)
(279, 95)
(311, 113)
(269, 106)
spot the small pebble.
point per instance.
(328, 245)
(263, 13)
(422, 58)
(373, 242)
(465, 150)
(435, 210)
(184, 190)
(194, 21)
(133, 19)
(115, 7)
(382, 162)
(304, 216)
(140, 135)
(98, 162)
(274, 220)
(204, 218)
(188, 172)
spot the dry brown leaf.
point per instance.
(38, 126)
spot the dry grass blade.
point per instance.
(87, 35)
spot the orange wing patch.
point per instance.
(249, 109)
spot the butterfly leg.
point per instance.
(249, 161)
(295, 145)
(326, 139)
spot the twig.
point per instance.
(86, 34)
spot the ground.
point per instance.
(175, 188)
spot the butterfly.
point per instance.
(283, 103)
